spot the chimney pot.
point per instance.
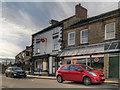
(79, 4)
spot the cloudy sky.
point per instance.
(21, 19)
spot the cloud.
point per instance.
(21, 19)
(14, 38)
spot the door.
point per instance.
(74, 74)
(114, 67)
(65, 72)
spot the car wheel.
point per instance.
(87, 81)
(12, 76)
(60, 79)
(25, 76)
(6, 75)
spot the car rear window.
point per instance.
(66, 67)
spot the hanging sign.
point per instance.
(96, 59)
(42, 40)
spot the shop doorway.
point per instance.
(114, 67)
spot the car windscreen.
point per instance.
(16, 69)
(87, 67)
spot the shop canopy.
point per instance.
(92, 49)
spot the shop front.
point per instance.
(41, 65)
(53, 65)
(97, 61)
(99, 56)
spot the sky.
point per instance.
(19, 20)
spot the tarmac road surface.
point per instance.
(30, 82)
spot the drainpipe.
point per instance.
(60, 62)
(86, 62)
(90, 60)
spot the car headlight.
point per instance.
(92, 74)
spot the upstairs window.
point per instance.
(110, 31)
(38, 47)
(27, 53)
(56, 30)
(38, 37)
(71, 38)
(84, 36)
(55, 43)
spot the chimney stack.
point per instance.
(53, 21)
(80, 11)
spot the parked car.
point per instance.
(80, 73)
(15, 72)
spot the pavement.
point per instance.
(109, 80)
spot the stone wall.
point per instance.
(96, 33)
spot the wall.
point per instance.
(96, 33)
(71, 21)
(48, 46)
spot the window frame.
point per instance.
(56, 30)
(81, 41)
(114, 31)
(69, 38)
(55, 44)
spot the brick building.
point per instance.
(94, 41)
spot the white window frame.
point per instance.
(69, 38)
(81, 36)
(114, 31)
(56, 30)
(56, 44)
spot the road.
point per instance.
(47, 83)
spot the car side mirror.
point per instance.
(79, 70)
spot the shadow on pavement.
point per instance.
(80, 83)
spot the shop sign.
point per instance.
(96, 59)
(42, 40)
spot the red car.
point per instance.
(80, 73)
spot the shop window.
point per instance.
(55, 43)
(71, 38)
(84, 36)
(68, 62)
(65, 67)
(110, 31)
